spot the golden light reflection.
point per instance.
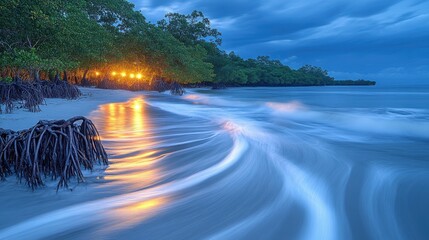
(97, 73)
(149, 204)
(134, 159)
(123, 74)
(132, 75)
(139, 76)
(128, 130)
(133, 214)
(114, 73)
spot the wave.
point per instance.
(206, 166)
(73, 217)
(391, 121)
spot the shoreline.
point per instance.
(92, 98)
(57, 109)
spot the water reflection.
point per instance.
(133, 214)
(127, 131)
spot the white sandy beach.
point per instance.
(56, 109)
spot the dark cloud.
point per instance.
(366, 38)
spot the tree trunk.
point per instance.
(3, 73)
(51, 76)
(84, 75)
(57, 76)
(17, 78)
(65, 76)
(36, 75)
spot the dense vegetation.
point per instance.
(108, 43)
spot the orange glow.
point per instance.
(135, 160)
(123, 73)
(130, 124)
(137, 105)
(149, 204)
(133, 214)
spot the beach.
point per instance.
(57, 108)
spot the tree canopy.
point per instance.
(83, 39)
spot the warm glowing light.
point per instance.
(139, 76)
(132, 75)
(136, 212)
(123, 74)
(97, 74)
(130, 122)
(149, 204)
(137, 105)
(114, 73)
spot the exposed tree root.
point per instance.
(55, 149)
(176, 89)
(30, 95)
(217, 86)
(160, 85)
(59, 89)
(23, 93)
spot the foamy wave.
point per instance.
(401, 122)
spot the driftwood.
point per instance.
(51, 149)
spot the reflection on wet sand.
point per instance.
(133, 214)
(128, 132)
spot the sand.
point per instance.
(56, 109)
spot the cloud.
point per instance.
(361, 37)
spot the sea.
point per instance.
(271, 163)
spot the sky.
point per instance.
(382, 40)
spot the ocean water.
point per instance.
(247, 163)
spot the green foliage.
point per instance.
(6, 80)
(231, 69)
(56, 35)
(51, 36)
(190, 29)
(360, 82)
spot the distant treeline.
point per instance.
(352, 82)
(98, 39)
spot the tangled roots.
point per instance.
(55, 149)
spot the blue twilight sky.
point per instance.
(382, 40)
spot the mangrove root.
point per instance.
(30, 95)
(51, 149)
(23, 93)
(176, 89)
(160, 85)
(58, 89)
